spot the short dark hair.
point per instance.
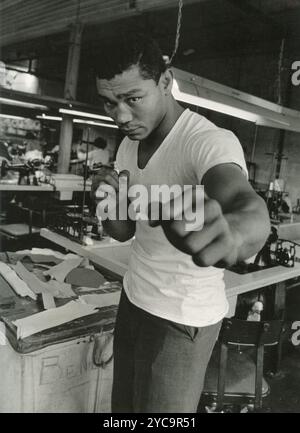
(130, 50)
(100, 143)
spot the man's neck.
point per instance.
(173, 113)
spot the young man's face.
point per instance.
(137, 105)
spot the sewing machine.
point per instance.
(26, 170)
(276, 251)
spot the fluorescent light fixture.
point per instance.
(91, 122)
(85, 114)
(80, 121)
(8, 116)
(45, 117)
(208, 94)
(22, 104)
(211, 105)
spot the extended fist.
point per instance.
(212, 243)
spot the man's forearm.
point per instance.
(120, 230)
(250, 225)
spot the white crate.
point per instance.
(58, 378)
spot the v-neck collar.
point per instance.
(163, 143)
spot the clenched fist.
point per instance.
(213, 243)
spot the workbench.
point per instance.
(104, 253)
(63, 376)
(113, 256)
(64, 191)
(16, 187)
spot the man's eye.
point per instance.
(135, 99)
(108, 104)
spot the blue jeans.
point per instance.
(159, 365)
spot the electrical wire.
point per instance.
(179, 19)
(84, 183)
(78, 11)
(280, 67)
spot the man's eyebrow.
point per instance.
(130, 92)
(121, 95)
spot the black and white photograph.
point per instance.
(149, 209)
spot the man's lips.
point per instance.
(129, 131)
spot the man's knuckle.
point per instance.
(213, 208)
(202, 259)
(216, 207)
(190, 244)
(223, 228)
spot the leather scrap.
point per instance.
(64, 289)
(59, 272)
(48, 301)
(85, 277)
(35, 284)
(18, 285)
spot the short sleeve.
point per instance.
(215, 147)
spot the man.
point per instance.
(173, 300)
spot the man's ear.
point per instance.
(166, 80)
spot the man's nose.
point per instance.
(123, 114)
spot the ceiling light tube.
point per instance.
(91, 122)
(211, 105)
(44, 117)
(80, 121)
(8, 116)
(23, 104)
(201, 92)
(85, 114)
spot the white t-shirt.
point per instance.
(161, 279)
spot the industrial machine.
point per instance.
(275, 252)
(27, 170)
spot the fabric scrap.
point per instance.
(51, 318)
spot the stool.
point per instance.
(232, 376)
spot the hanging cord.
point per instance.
(280, 67)
(78, 11)
(180, 3)
(84, 183)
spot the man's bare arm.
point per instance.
(244, 210)
(236, 221)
